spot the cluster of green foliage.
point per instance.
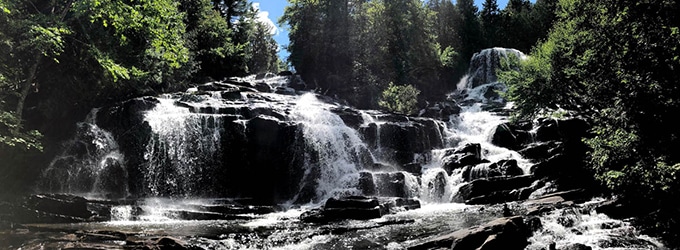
(615, 61)
(353, 49)
(400, 99)
(60, 58)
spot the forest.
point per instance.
(614, 62)
(59, 59)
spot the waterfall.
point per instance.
(335, 153)
(90, 164)
(183, 150)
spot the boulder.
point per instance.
(351, 117)
(495, 190)
(413, 168)
(285, 73)
(358, 208)
(576, 246)
(510, 135)
(502, 233)
(464, 156)
(541, 150)
(391, 184)
(352, 207)
(366, 183)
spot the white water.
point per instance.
(91, 164)
(335, 151)
(182, 147)
(568, 226)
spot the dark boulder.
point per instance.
(464, 156)
(391, 184)
(353, 207)
(263, 87)
(502, 233)
(541, 150)
(358, 208)
(576, 246)
(351, 117)
(510, 135)
(495, 190)
(413, 168)
(366, 183)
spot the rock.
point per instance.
(413, 168)
(366, 183)
(285, 73)
(541, 150)
(358, 208)
(467, 155)
(550, 202)
(494, 190)
(576, 246)
(169, 243)
(353, 207)
(61, 204)
(351, 117)
(510, 136)
(502, 233)
(263, 87)
(391, 184)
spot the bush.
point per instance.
(400, 99)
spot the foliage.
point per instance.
(58, 59)
(352, 48)
(615, 61)
(401, 99)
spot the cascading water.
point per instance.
(335, 152)
(183, 151)
(91, 164)
(256, 141)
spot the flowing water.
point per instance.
(193, 144)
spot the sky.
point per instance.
(271, 10)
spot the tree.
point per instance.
(490, 18)
(604, 59)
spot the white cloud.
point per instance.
(263, 17)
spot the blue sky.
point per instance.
(273, 9)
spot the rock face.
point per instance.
(502, 233)
(57, 208)
(400, 138)
(358, 208)
(235, 138)
(496, 190)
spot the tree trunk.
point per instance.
(26, 87)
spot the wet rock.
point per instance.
(441, 110)
(353, 207)
(233, 209)
(68, 206)
(285, 73)
(467, 155)
(495, 190)
(391, 184)
(169, 243)
(366, 183)
(576, 246)
(502, 233)
(550, 202)
(263, 87)
(358, 208)
(541, 150)
(413, 168)
(510, 136)
(351, 117)
(566, 129)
